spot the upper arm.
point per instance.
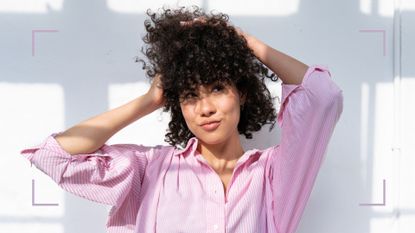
(308, 115)
(105, 176)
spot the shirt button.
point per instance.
(215, 227)
(215, 190)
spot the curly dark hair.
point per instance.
(202, 54)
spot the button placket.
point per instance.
(215, 202)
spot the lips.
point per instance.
(209, 122)
(210, 126)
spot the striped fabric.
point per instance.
(169, 190)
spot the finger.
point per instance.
(185, 23)
(190, 22)
(200, 19)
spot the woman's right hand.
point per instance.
(155, 93)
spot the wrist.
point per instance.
(255, 45)
(151, 101)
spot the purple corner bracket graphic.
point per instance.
(384, 198)
(383, 34)
(34, 37)
(33, 198)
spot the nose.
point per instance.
(206, 107)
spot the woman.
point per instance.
(210, 76)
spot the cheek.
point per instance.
(232, 109)
(188, 115)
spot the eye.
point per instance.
(190, 95)
(218, 87)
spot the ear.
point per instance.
(242, 97)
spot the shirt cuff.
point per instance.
(288, 89)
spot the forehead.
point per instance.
(207, 87)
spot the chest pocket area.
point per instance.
(181, 208)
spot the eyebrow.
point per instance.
(192, 89)
(206, 86)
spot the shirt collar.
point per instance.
(189, 149)
(192, 146)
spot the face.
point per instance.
(216, 102)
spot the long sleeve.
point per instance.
(307, 117)
(106, 176)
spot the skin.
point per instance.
(221, 147)
(287, 68)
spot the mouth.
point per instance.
(211, 126)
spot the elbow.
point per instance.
(339, 104)
(335, 95)
(330, 95)
(333, 103)
(323, 90)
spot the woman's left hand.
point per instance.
(202, 19)
(251, 40)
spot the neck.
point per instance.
(224, 156)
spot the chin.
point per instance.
(212, 138)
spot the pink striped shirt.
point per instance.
(168, 190)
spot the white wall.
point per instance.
(86, 66)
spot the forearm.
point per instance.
(91, 134)
(289, 69)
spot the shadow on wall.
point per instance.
(94, 47)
